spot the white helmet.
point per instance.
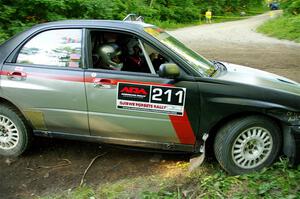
(110, 56)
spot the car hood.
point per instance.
(251, 76)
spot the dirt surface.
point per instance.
(53, 165)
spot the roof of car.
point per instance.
(137, 25)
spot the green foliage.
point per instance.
(291, 6)
(15, 16)
(82, 192)
(284, 27)
(161, 194)
(279, 181)
(78, 193)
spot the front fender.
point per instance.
(218, 109)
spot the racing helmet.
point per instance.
(110, 56)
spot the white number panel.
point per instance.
(147, 98)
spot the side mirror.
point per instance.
(169, 70)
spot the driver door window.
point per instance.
(123, 52)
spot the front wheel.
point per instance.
(247, 144)
(14, 134)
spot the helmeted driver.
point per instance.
(110, 56)
(135, 60)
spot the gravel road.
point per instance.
(237, 42)
(39, 171)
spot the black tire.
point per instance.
(22, 133)
(242, 145)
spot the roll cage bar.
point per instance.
(133, 17)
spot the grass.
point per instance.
(78, 193)
(172, 25)
(209, 181)
(283, 27)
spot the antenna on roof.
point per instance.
(133, 17)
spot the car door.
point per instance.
(140, 108)
(45, 79)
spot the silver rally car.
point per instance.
(131, 83)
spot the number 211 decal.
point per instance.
(148, 98)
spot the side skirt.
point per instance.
(117, 141)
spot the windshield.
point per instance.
(198, 62)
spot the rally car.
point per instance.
(131, 83)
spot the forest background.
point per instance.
(17, 15)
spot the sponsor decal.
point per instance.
(151, 98)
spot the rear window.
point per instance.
(61, 48)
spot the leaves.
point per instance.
(291, 6)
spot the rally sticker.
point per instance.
(148, 98)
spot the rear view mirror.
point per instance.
(169, 70)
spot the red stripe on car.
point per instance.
(4, 72)
(74, 78)
(116, 81)
(183, 128)
(71, 78)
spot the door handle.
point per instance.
(16, 75)
(104, 83)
